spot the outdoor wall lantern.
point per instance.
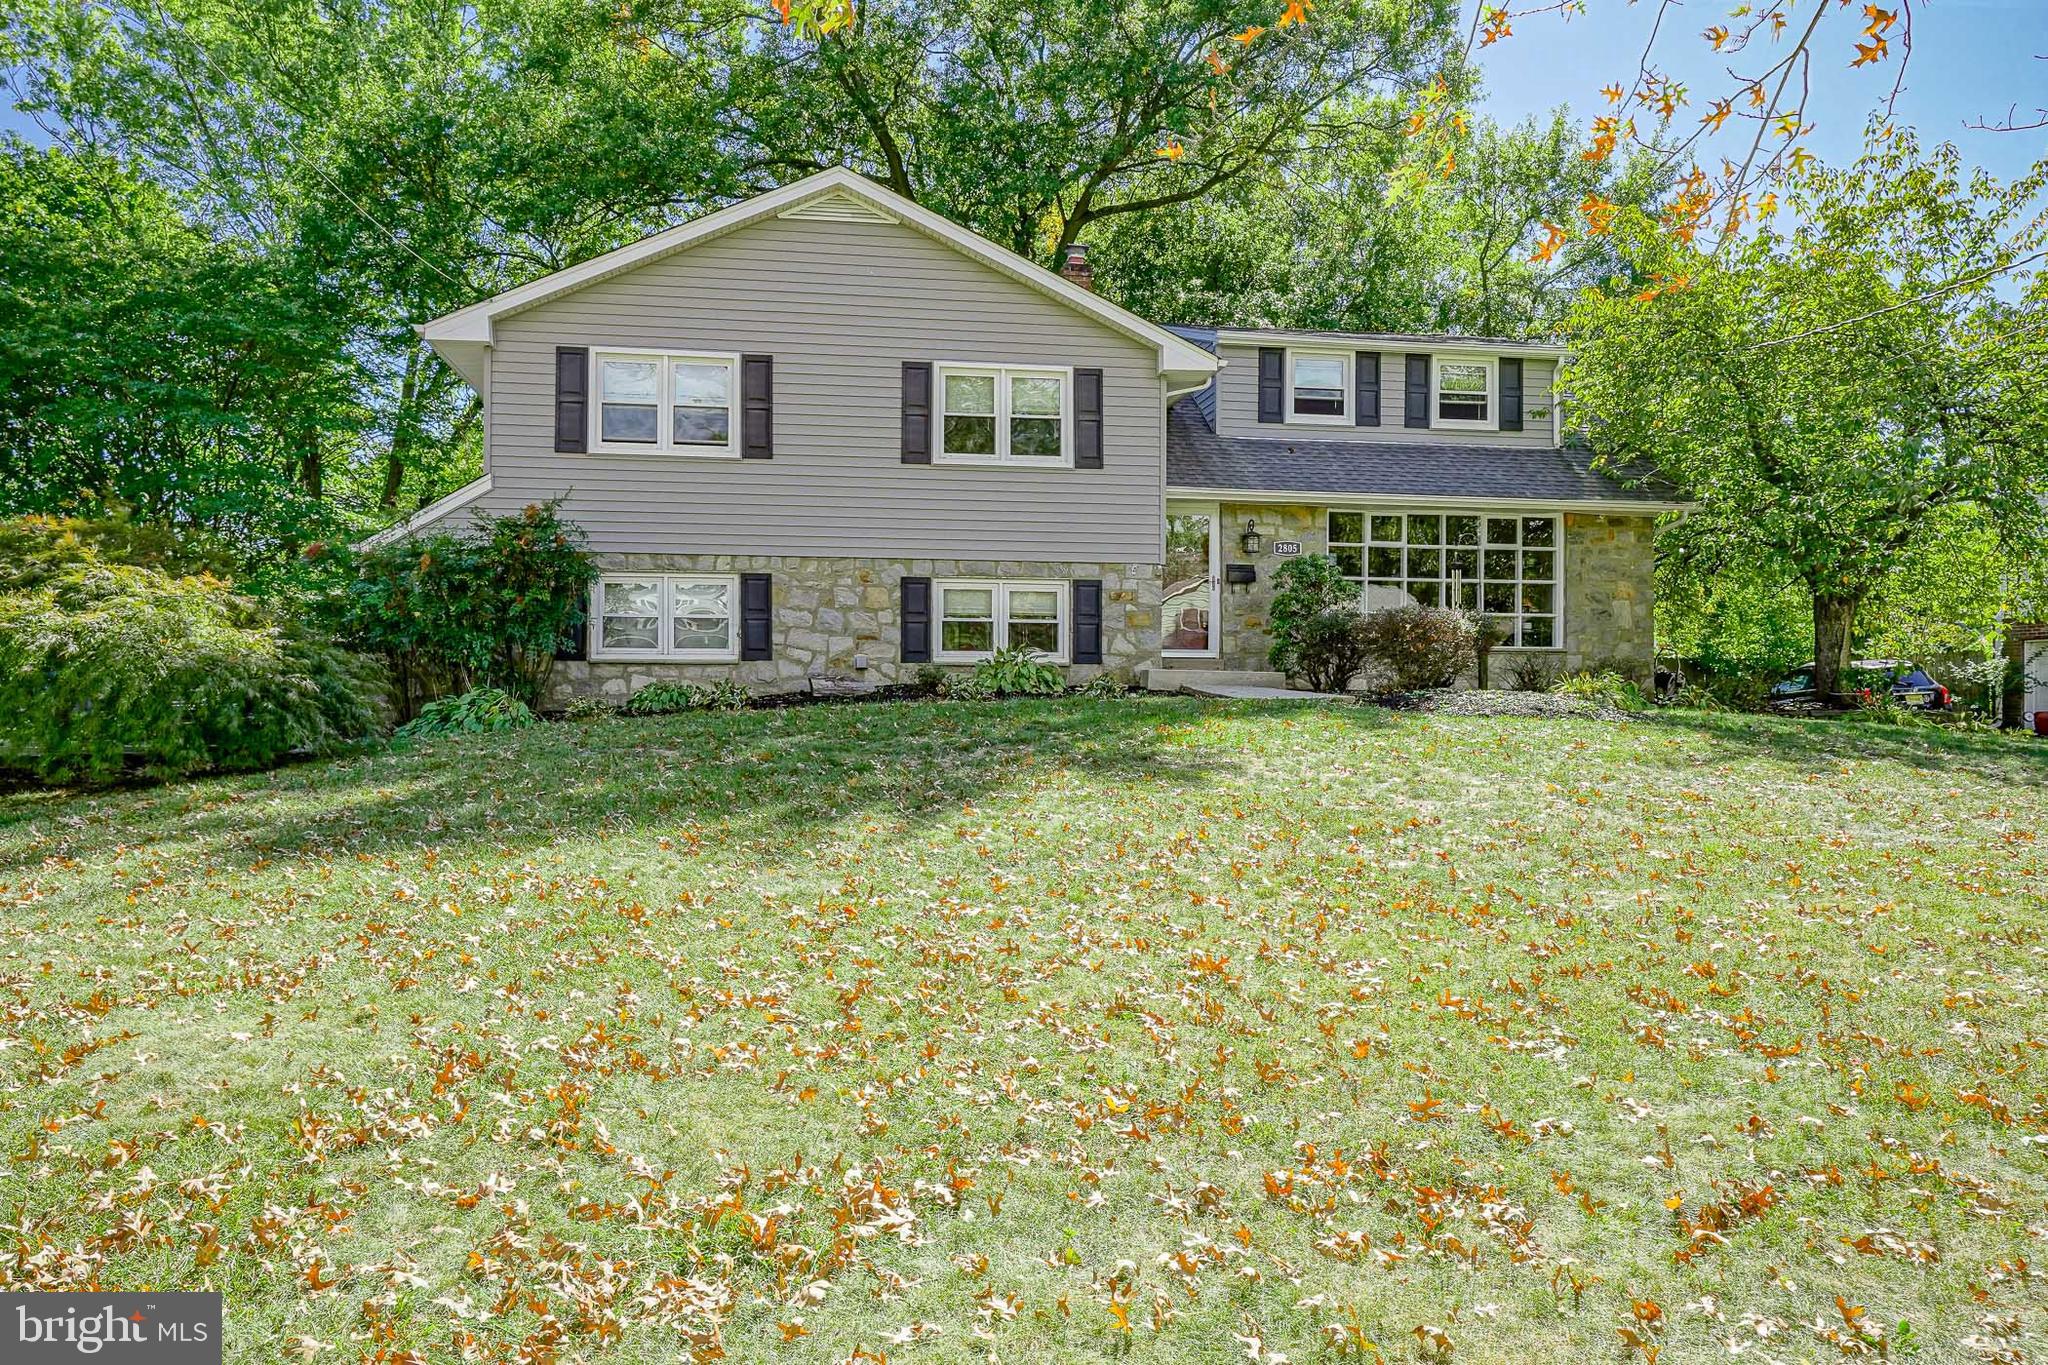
(1251, 540)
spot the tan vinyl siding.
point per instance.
(840, 306)
(1237, 406)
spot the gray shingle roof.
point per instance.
(1196, 457)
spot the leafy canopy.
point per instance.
(1826, 394)
(147, 365)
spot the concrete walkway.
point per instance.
(1240, 692)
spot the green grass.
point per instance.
(970, 1031)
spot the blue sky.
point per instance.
(1971, 59)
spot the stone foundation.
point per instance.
(1609, 583)
(828, 611)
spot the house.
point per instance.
(2026, 653)
(827, 430)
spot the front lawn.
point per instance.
(1052, 1031)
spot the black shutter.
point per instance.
(917, 412)
(1510, 395)
(1087, 419)
(917, 621)
(1087, 621)
(1272, 384)
(572, 399)
(1365, 378)
(757, 407)
(757, 616)
(1418, 392)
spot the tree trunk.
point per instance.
(312, 469)
(1834, 618)
(403, 423)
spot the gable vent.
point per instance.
(838, 207)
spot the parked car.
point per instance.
(1907, 682)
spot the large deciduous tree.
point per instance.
(1030, 120)
(147, 366)
(1828, 392)
(1371, 238)
(401, 159)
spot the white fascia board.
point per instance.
(1633, 506)
(429, 514)
(1226, 336)
(1177, 356)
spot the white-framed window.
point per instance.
(977, 616)
(673, 402)
(1004, 414)
(689, 617)
(1465, 392)
(1505, 564)
(1318, 386)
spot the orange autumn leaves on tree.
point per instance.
(1294, 13)
(1766, 102)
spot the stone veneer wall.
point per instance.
(828, 610)
(1609, 584)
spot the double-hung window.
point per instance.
(1502, 564)
(1317, 385)
(1464, 394)
(687, 617)
(978, 616)
(1004, 414)
(671, 402)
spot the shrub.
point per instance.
(1624, 694)
(454, 612)
(966, 687)
(660, 699)
(1106, 686)
(1697, 698)
(930, 680)
(1303, 589)
(1330, 649)
(667, 698)
(1421, 647)
(1736, 691)
(1981, 684)
(35, 549)
(1530, 674)
(473, 712)
(1884, 709)
(107, 667)
(1019, 673)
(724, 695)
(583, 709)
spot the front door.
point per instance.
(1188, 616)
(2034, 665)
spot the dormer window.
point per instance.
(1317, 383)
(1464, 392)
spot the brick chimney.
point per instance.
(1075, 267)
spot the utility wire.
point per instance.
(205, 59)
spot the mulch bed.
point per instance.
(1471, 702)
